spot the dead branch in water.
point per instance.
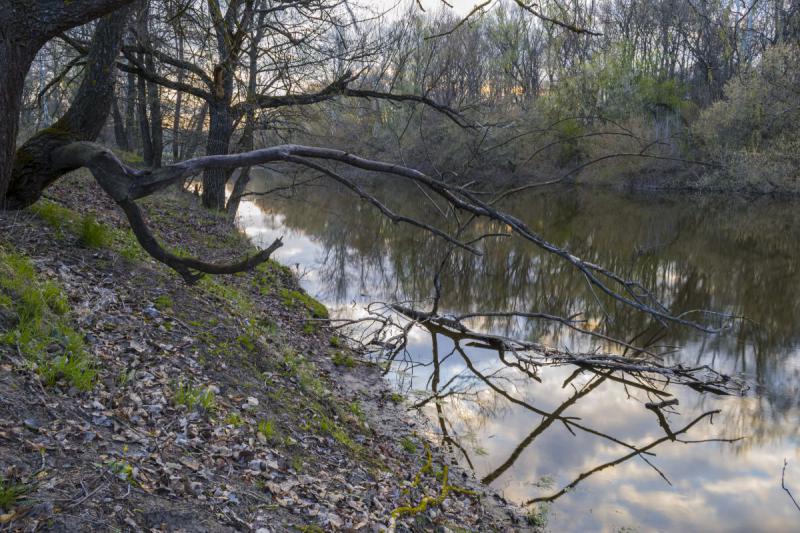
(701, 378)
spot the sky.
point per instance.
(460, 7)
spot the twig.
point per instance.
(783, 484)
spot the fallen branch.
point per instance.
(701, 378)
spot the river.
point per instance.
(556, 437)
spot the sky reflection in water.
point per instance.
(736, 256)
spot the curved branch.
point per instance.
(626, 291)
(117, 179)
(136, 67)
(186, 266)
(340, 87)
(388, 213)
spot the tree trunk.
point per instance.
(130, 113)
(15, 60)
(156, 127)
(239, 189)
(144, 123)
(189, 148)
(120, 136)
(23, 31)
(33, 167)
(220, 130)
(176, 119)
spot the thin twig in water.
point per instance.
(783, 484)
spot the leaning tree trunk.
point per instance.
(33, 167)
(220, 130)
(23, 31)
(15, 60)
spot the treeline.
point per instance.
(677, 93)
(665, 93)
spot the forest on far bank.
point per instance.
(653, 94)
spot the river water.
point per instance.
(556, 437)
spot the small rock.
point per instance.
(335, 520)
(32, 424)
(257, 465)
(137, 346)
(102, 421)
(251, 403)
(154, 409)
(151, 312)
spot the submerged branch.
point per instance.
(701, 378)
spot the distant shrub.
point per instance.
(754, 130)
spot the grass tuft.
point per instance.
(267, 429)
(92, 234)
(292, 298)
(343, 359)
(10, 493)
(37, 325)
(192, 397)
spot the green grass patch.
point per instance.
(297, 463)
(408, 445)
(86, 228)
(132, 158)
(92, 234)
(228, 293)
(356, 410)
(268, 430)
(126, 245)
(343, 359)
(304, 372)
(195, 397)
(56, 216)
(38, 327)
(163, 302)
(539, 515)
(292, 298)
(330, 427)
(267, 276)
(10, 493)
(396, 397)
(234, 419)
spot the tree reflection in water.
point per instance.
(467, 386)
(738, 256)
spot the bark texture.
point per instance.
(33, 167)
(25, 25)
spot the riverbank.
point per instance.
(131, 401)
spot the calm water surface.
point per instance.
(557, 437)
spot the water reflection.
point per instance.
(576, 437)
